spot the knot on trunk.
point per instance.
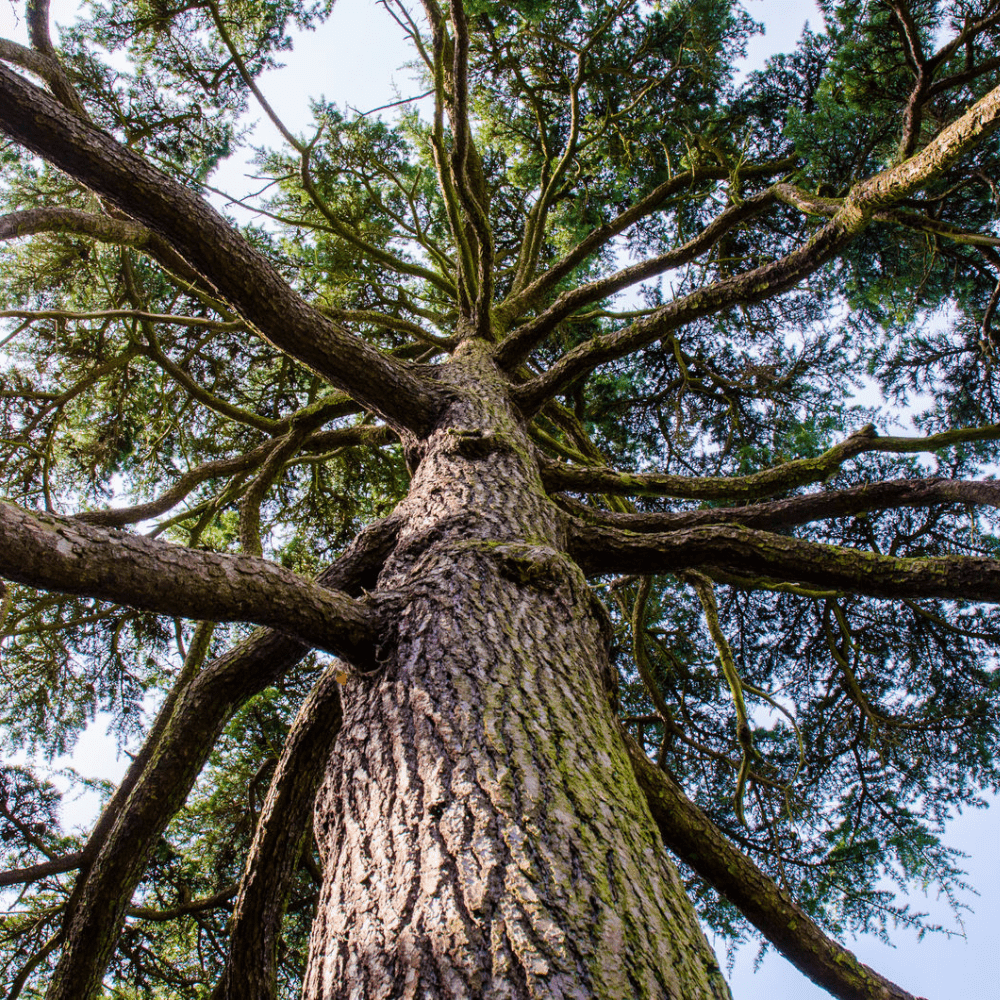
(475, 444)
(534, 565)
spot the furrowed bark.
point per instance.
(163, 775)
(692, 836)
(480, 827)
(251, 966)
(216, 250)
(601, 550)
(53, 553)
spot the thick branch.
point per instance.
(558, 476)
(865, 199)
(780, 514)
(166, 771)
(270, 472)
(690, 834)
(53, 553)
(601, 550)
(48, 66)
(215, 249)
(32, 60)
(251, 968)
(468, 172)
(813, 204)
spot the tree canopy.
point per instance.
(688, 282)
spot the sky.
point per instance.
(355, 59)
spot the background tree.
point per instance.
(593, 315)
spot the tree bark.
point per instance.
(482, 831)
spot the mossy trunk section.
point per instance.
(482, 831)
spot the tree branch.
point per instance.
(323, 441)
(34, 873)
(251, 967)
(692, 836)
(103, 228)
(813, 204)
(51, 71)
(53, 553)
(521, 302)
(600, 550)
(201, 322)
(215, 249)
(195, 906)
(468, 172)
(516, 348)
(164, 773)
(780, 514)
(865, 199)
(557, 476)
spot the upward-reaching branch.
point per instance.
(520, 302)
(865, 199)
(250, 971)
(468, 171)
(519, 344)
(216, 250)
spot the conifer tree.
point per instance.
(492, 522)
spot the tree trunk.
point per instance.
(481, 828)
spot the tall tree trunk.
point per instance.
(482, 831)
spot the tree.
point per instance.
(532, 409)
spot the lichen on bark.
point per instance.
(482, 831)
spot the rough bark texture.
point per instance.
(482, 831)
(56, 553)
